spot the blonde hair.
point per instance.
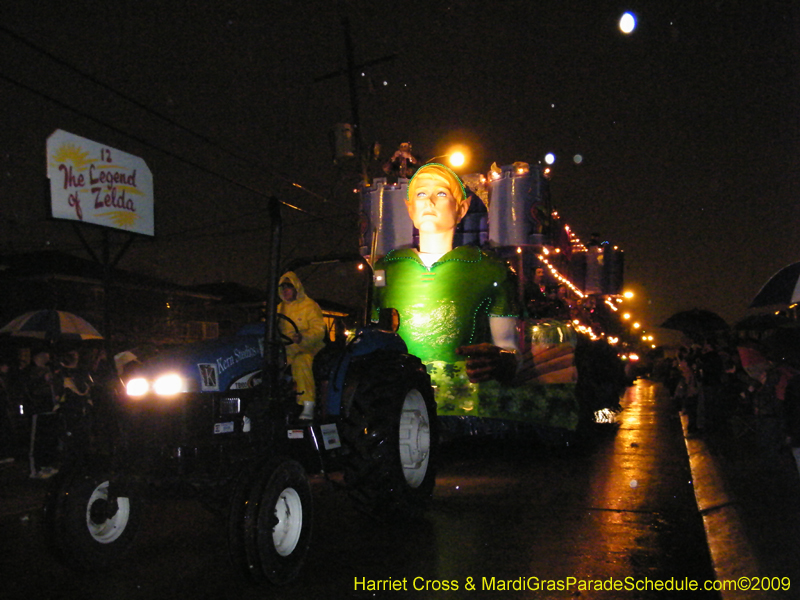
(439, 172)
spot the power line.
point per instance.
(143, 141)
(153, 112)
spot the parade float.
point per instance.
(564, 299)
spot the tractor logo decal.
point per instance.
(209, 381)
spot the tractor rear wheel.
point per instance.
(390, 430)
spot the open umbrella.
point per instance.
(51, 326)
(696, 322)
(781, 288)
(761, 323)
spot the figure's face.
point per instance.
(432, 208)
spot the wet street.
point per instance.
(505, 516)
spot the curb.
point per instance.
(732, 555)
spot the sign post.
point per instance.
(96, 184)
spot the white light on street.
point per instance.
(550, 158)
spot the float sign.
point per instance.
(96, 184)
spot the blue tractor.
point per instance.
(218, 420)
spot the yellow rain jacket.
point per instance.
(307, 315)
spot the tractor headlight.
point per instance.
(165, 385)
(136, 387)
(168, 385)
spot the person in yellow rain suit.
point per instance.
(306, 342)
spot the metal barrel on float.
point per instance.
(385, 224)
(599, 270)
(518, 219)
(473, 230)
(516, 197)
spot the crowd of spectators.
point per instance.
(50, 398)
(738, 390)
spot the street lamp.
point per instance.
(457, 156)
(457, 159)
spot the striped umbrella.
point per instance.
(52, 326)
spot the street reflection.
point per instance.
(503, 509)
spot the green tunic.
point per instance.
(449, 305)
(443, 307)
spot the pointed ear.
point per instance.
(463, 208)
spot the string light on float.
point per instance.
(578, 326)
(557, 275)
(611, 300)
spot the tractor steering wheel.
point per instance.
(285, 339)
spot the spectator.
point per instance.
(74, 405)
(710, 369)
(768, 410)
(687, 389)
(6, 423)
(792, 417)
(734, 388)
(672, 379)
(39, 402)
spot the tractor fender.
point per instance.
(366, 341)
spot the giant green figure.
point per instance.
(458, 309)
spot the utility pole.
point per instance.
(351, 81)
(351, 70)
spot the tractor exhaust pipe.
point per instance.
(270, 372)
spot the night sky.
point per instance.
(688, 127)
